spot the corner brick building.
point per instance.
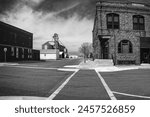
(122, 31)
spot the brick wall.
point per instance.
(126, 32)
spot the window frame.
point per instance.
(138, 25)
(113, 24)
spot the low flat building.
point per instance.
(73, 56)
(49, 54)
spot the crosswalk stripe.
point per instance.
(55, 93)
(110, 93)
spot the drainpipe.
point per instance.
(115, 51)
(100, 27)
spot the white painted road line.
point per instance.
(62, 69)
(30, 67)
(44, 68)
(55, 93)
(131, 95)
(110, 93)
(21, 98)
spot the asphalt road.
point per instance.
(53, 63)
(126, 84)
(42, 79)
(29, 82)
(22, 81)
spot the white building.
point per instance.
(49, 54)
(53, 50)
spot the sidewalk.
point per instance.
(21, 98)
(106, 68)
(7, 63)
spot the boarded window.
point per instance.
(125, 46)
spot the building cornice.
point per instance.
(122, 6)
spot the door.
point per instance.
(105, 50)
(145, 55)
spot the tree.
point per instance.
(85, 49)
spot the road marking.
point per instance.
(55, 93)
(131, 95)
(21, 98)
(32, 67)
(71, 66)
(110, 93)
(64, 69)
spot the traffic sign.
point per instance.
(5, 49)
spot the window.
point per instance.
(15, 38)
(22, 52)
(29, 53)
(17, 52)
(112, 21)
(12, 51)
(138, 22)
(125, 46)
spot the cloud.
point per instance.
(68, 8)
(73, 29)
(84, 8)
(31, 3)
(7, 5)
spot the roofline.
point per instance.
(52, 41)
(14, 27)
(124, 1)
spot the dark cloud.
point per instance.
(63, 8)
(6, 5)
(54, 5)
(83, 8)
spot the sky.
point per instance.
(72, 20)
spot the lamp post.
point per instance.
(5, 50)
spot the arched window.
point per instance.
(112, 21)
(138, 22)
(125, 46)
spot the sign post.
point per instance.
(5, 50)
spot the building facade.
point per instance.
(122, 31)
(49, 51)
(16, 44)
(53, 49)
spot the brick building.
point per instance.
(16, 44)
(122, 31)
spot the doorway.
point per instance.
(105, 50)
(145, 55)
